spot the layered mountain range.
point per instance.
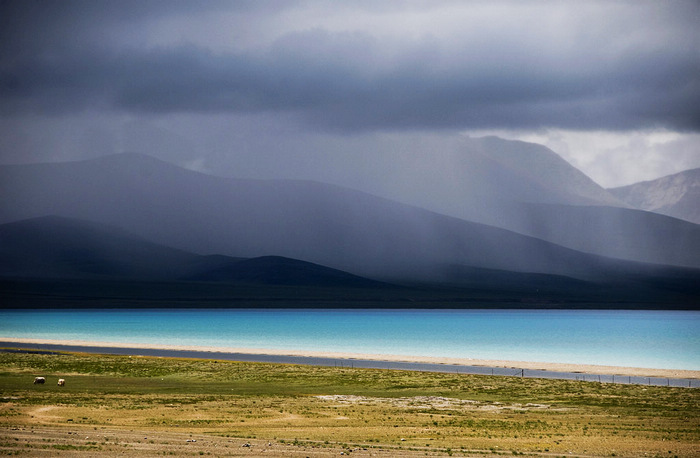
(529, 189)
(499, 206)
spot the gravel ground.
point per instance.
(48, 441)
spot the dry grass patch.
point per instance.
(318, 411)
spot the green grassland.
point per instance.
(317, 411)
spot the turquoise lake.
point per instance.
(650, 339)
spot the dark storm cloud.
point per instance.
(353, 80)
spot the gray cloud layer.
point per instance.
(599, 65)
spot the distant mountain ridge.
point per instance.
(319, 223)
(467, 176)
(676, 195)
(529, 189)
(323, 224)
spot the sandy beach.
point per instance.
(531, 365)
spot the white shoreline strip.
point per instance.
(555, 367)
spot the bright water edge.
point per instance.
(651, 339)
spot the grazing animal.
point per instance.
(39, 380)
(61, 382)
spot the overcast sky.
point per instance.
(267, 88)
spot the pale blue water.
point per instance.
(651, 339)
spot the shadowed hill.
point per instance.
(55, 246)
(58, 247)
(277, 270)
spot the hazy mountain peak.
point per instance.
(676, 195)
(565, 183)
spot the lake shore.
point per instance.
(133, 348)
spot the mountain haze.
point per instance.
(621, 233)
(560, 181)
(529, 189)
(676, 195)
(466, 177)
(61, 262)
(314, 222)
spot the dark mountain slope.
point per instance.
(277, 270)
(58, 247)
(55, 262)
